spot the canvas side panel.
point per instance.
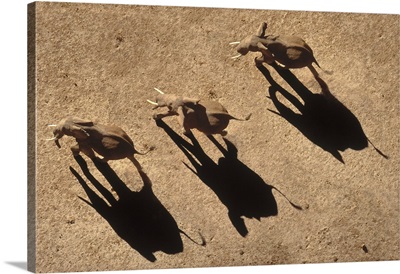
(32, 137)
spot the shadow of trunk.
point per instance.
(138, 218)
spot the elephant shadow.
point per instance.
(322, 118)
(243, 192)
(138, 218)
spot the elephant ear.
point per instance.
(82, 122)
(79, 132)
(190, 101)
(262, 47)
(261, 30)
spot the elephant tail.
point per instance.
(290, 202)
(244, 119)
(144, 153)
(323, 70)
(202, 243)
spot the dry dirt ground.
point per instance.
(101, 62)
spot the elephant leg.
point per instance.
(187, 132)
(324, 87)
(266, 54)
(185, 128)
(181, 120)
(75, 150)
(259, 60)
(313, 71)
(135, 162)
(88, 151)
(162, 115)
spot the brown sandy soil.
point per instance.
(101, 62)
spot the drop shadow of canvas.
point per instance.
(241, 190)
(323, 119)
(139, 218)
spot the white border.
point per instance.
(13, 235)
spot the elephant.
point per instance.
(109, 141)
(207, 116)
(288, 51)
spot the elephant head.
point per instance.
(171, 101)
(71, 126)
(252, 42)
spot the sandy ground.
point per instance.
(101, 62)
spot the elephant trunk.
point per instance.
(57, 143)
(57, 136)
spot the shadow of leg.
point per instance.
(138, 218)
(238, 223)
